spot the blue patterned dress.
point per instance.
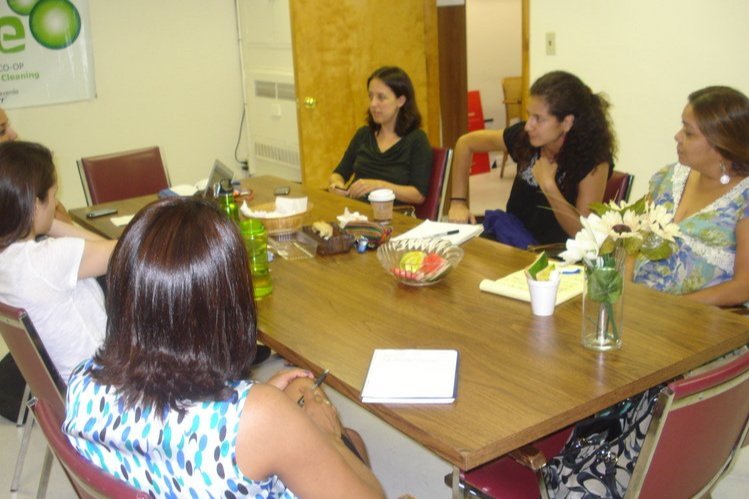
(707, 247)
(189, 455)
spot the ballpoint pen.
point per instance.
(444, 234)
(318, 382)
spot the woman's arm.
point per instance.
(96, 249)
(735, 291)
(467, 144)
(277, 437)
(403, 193)
(589, 190)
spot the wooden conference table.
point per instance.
(521, 377)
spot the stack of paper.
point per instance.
(455, 233)
(515, 285)
(411, 377)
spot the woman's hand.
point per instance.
(362, 187)
(282, 379)
(337, 188)
(545, 173)
(459, 213)
(322, 412)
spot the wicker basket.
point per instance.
(281, 225)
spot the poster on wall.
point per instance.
(46, 55)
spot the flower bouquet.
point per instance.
(610, 233)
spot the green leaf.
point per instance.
(605, 285)
(541, 262)
(598, 208)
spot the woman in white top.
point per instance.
(52, 277)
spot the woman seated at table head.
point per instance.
(564, 153)
(167, 404)
(391, 151)
(51, 277)
(708, 192)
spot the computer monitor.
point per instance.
(219, 172)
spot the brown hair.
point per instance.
(27, 172)
(409, 117)
(181, 316)
(722, 115)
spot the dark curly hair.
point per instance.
(722, 115)
(181, 315)
(27, 172)
(590, 141)
(409, 117)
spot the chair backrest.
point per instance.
(122, 175)
(697, 427)
(618, 187)
(512, 88)
(431, 208)
(88, 480)
(31, 357)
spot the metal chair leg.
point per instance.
(22, 454)
(41, 492)
(24, 410)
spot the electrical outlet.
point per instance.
(551, 43)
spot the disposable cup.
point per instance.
(382, 204)
(543, 296)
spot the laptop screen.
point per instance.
(219, 172)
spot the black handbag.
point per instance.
(601, 453)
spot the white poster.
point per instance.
(45, 52)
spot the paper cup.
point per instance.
(543, 296)
(382, 204)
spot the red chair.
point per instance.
(699, 424)
(122, 175)
(431, 208)
(88, 480)
(618, 187)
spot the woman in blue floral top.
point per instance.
(167, 403)
(708, 192)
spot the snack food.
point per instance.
(324, 229)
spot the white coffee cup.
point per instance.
(382, 204)
(543, 296)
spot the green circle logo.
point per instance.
(22, 7)
(55, 24)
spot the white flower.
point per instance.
(660, 222)
(587, 241)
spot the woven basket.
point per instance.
(281, 225)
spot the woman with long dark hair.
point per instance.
(565, 155)
(391, 151)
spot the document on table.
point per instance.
(455, 233)
(411, 376)
(515, 285)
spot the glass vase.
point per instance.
(603, 297)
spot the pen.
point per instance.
(573, 270)
(446, 233)
(318, 382)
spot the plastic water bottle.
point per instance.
(256, 240)
(226, 201)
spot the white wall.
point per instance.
(167, 74)
(493, 43)
(647, 56)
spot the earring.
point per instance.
(724, 176)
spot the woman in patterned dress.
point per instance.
(708, 192)
(167, 403)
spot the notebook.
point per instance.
(411, 376)
(455, 233)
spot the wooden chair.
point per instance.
(699, 424)
(88, 480)
(122, 175)
(512, 88)
(434, 203)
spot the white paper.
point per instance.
(411, 376)
(428, 229)
(123, 220)
(285, 206)
(515, 285)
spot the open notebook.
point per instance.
(455, 233)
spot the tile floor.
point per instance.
(402, 465)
